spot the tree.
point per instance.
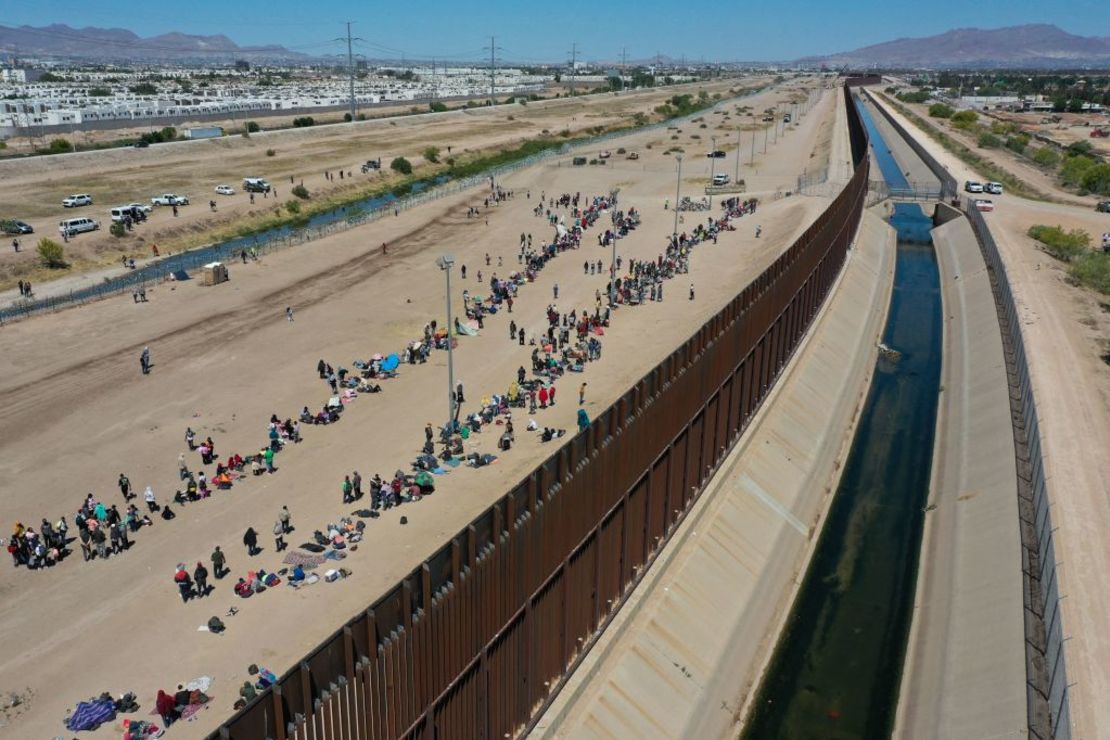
(437, 107)
(1075, 168)
(402, 165)
(1075, 105)
(304, 122)
(169, 133)
(940, 110)
(99, 92)
(51, 254)
(431, 153)
(144, 88)
(253, 127)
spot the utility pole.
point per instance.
(736, 177)
(493, 49)
(573, 67)
(624, 64)
(351, 66)
(677, 196)
(435, 83)
(712, 167)
(751, 161)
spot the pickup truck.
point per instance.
(169, 199)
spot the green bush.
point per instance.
(1016, 144)
(1080, 147)
(51, 254)
(1046, 156)
(270, 152)
(989, 141)
(59, 146)
(401, 165)
(1092, 270)
(965, 119)
(304, 122)
(431, 153)
(437, 107)
(117, 230)
(293, 206)
(301, 192)
(913, 97)
(1074, 169)
(940, 110)
(1097, 179)
(1063, 245)
(253, 127)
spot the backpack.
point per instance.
(215, 625)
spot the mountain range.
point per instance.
(60, 40)
(1033, 46)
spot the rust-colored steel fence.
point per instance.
(475, 642)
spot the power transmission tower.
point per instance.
(573, 66)
(493, 49)
(351, 65)
(624, 64)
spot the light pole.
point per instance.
(613, 275)
(712, 168)
(677, 196)
(736, 177)
(445, 262)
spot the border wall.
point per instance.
(477, 640)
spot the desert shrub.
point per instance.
(303, 122)
(402, 165)
(1016, 144)
(989, 141)
(51, 254)
(270, 152)
(431, 153)
(940, 110)
(437, 107)
(300, 191)
(117, 230)
(1097, 179)
(1046, 156)
(1092, 270)
(1061, 244)
(965, 119)
(1074, 169)
(253, 127)
(293, 206)
(59, 146)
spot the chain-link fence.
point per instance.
(321, 225)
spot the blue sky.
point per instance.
(545, 31)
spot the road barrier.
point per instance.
(477, 640)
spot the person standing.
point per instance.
(581, 394)
(218, 562)
(144, 360)
(184, 583)
(125, 487)
(148, 496)
(356, 484)
(284, 517)
(347, 488)
(555, 291)
(250, 539)
(268, 456)
(200, 578)
(429, 434)
(289, 313)
(551, 395)
(459, 394)
(190, 438)
(279, 536)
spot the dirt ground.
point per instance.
(79, 413)
(1067, 338)
(32, 189)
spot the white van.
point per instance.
(122, 213)
(720, 180)
(74, 226)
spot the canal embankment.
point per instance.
(684, 654)
(964, 675)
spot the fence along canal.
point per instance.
(477, 640)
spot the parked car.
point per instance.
(225, 190)
(1103, 206)
(145, 208)
(605, 154)
(720, 180)
(135, 211)
(994, 188)
(73, 226)
(80, 199)
(170, 199)
(15, 226)
(973, 187)
(579, 161)
(718, 154)
(984, 205)
(633, 155)
(255, 185)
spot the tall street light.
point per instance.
(444, 263)
(712, 168)
(677, 195)
(736, 177)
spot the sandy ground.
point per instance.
(225, 358)
(32, 189)
(1066, 330)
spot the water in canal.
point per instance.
(837, 668)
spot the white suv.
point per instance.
(973, 187)
(81, 199)
(995, 188)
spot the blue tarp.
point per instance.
(390, 363)
(91, 714)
